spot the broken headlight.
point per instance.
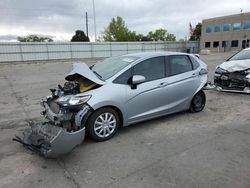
(220, 70)
(73, 100)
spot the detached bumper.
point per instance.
(49, 140)
(64, 131)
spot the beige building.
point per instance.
(227, 33)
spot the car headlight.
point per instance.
(220, 70)
(79, 100)
(73, 100)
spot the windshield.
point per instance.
(111, 66)
(244, 54)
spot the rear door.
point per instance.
(183, 81)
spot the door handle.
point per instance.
(194, 74)
(163, 84)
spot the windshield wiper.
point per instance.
(99, 76)
(91, 66)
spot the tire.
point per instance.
(103, 124)
(198, 102)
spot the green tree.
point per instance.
(161, 35)
(80, 37)
(142, 37)
(118, 31)
(196, 33)
(34, 38)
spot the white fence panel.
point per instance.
(20, 51)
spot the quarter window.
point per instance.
(124, 77)
(178, 65)
(195, 63)
(152, 69)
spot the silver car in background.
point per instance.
(119, 91)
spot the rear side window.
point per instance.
(179, 64)
(152, 69)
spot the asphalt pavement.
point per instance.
(206, 149)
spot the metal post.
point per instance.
(94, 18)
(87, 27)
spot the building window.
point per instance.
(224, 43)
(207, 44)
(236, 26)
(226, 27)
(247, 25)
(235, 43)
(216, 44)
(217, 28)
(208, 29)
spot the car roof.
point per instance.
(246, 49)
(154, 54)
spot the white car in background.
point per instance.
(234, 74)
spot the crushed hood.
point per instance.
(83, 70)
(238, 65)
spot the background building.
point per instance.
(227, 33)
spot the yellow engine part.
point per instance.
(85, 84)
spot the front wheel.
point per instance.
(103, 124)
(198, 102)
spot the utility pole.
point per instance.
(87, 26)
(94, 18)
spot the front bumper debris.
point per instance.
(214, 87)
(237, 82)
(49, 140)
(62, 131)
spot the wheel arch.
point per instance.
(114, 108)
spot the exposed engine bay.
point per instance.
(66, 113)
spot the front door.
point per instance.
(148, 99)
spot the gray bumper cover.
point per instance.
(49, 140)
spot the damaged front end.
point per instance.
(236, 81)
(66, 112)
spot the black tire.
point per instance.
(198, 102)
(96, 118)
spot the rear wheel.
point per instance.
(103, 124)
(198, 102)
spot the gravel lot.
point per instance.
(206, 149)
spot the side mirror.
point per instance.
(137, 79)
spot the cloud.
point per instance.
(61, 18)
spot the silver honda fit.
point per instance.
(116, 92)
(137, 87)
